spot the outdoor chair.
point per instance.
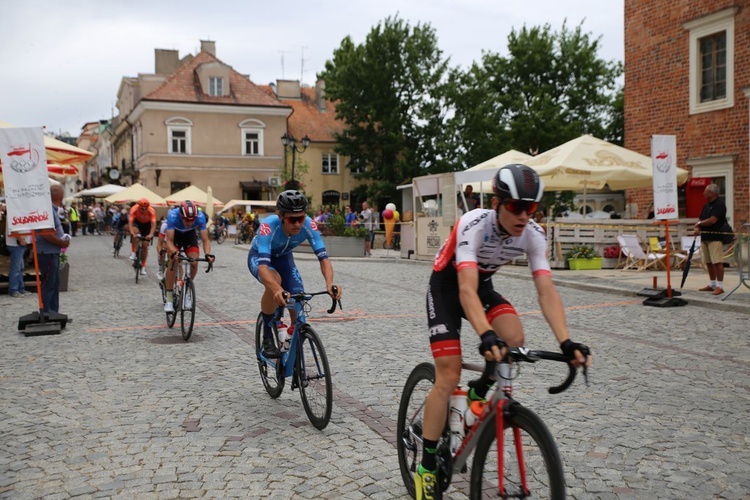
(676, 259)
(635, 257)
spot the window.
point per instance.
(178, 135)
(714, 64)
(215, 86)
(712, 61)
(252, 143)
(252, 137)
(330, 163)
(178, 186)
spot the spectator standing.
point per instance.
(709, 226)
(349, 216)
(73, 217)
(367, 218)
(83, 215)
(63, 214)
(472, 200)
(17, 246)
(48, 247)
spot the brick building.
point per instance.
(687, 73)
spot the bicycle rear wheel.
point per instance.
(221, 237)
(544, 471)
(187, 314)
(271, 370)
(137, 263)
(314, 377)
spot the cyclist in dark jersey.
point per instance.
(461, 287)
(270, 258)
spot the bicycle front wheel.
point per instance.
(187, 314)
(171, 317)
(221, 237)
(409, 423)
(271, 370)
(538, 456)
(314, 377)
(137, 264)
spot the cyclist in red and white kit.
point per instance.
(461, 287)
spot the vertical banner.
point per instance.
(664, 162)
(24, 162)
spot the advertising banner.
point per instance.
(664, 161)
(24, 163)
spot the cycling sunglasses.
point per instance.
(295, 219)
(517, 207)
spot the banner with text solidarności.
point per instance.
(664, 162)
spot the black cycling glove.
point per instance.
(489, 339)
(569, 347)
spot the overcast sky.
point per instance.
(62, 61)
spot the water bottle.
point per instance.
(473, 413)
(283, 339)
(456, 417)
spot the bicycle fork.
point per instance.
(502, 410)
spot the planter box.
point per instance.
(581, 264)
(338, 246)
(64, 275)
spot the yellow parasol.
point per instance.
(194, 194)
(135, 193)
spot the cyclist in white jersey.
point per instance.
(461, 287)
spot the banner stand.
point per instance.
(41, 322)
(663, 297)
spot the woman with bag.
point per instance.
(711, 226)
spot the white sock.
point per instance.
(720, 284)
(713, 283)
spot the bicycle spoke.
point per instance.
(314, 378)
(187, 314)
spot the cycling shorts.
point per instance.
(143, 228)
(186, 241)
(444, 311)
(291, 280)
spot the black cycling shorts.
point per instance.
(186, 241)
(444, 311)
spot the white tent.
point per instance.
(101, 191)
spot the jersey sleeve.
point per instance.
(201, 221)
(262, 242)
(314, 238)
(152, 213)
(470, 237)
(536, 250)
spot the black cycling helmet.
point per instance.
(518, 182)
(291, 201)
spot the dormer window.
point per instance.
(215, 86)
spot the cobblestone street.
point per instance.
(119, 405)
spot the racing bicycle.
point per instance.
(183, 295)
(303, 358)
(219, 234)
(515, 455)
(138, 261)
(119, 237)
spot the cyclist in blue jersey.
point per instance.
(184, 224)
(270, 259)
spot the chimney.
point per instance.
(288, 89)
(320, 94)
(208, 46)
(167, 61)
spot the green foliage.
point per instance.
(558, 201)
(336, 226)
(549, 89)
(389, 93)
(581, 252)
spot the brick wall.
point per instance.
(657, 64)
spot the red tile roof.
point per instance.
(307, 119)
(183, 86)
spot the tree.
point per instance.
(550, 88)
(389, 93)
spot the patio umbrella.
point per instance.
(58, 151)
(135, 193)
(494, 164)
(210, 206)
(686, 269)
(194, 194)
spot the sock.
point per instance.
(429, 460)
(719, 284)
(478, 388)
(713, 283)
(170, 296)
(267, 322)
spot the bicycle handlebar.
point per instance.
(518, 354)
(307, 296)
(197, 259)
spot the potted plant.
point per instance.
(64, 270)
(340, 241)
(583, 257)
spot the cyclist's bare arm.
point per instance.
(327, 269)
(554, 313)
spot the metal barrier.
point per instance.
(742, 249)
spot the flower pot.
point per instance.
(64, 272)
(582, 264)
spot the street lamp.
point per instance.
(289, 141)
